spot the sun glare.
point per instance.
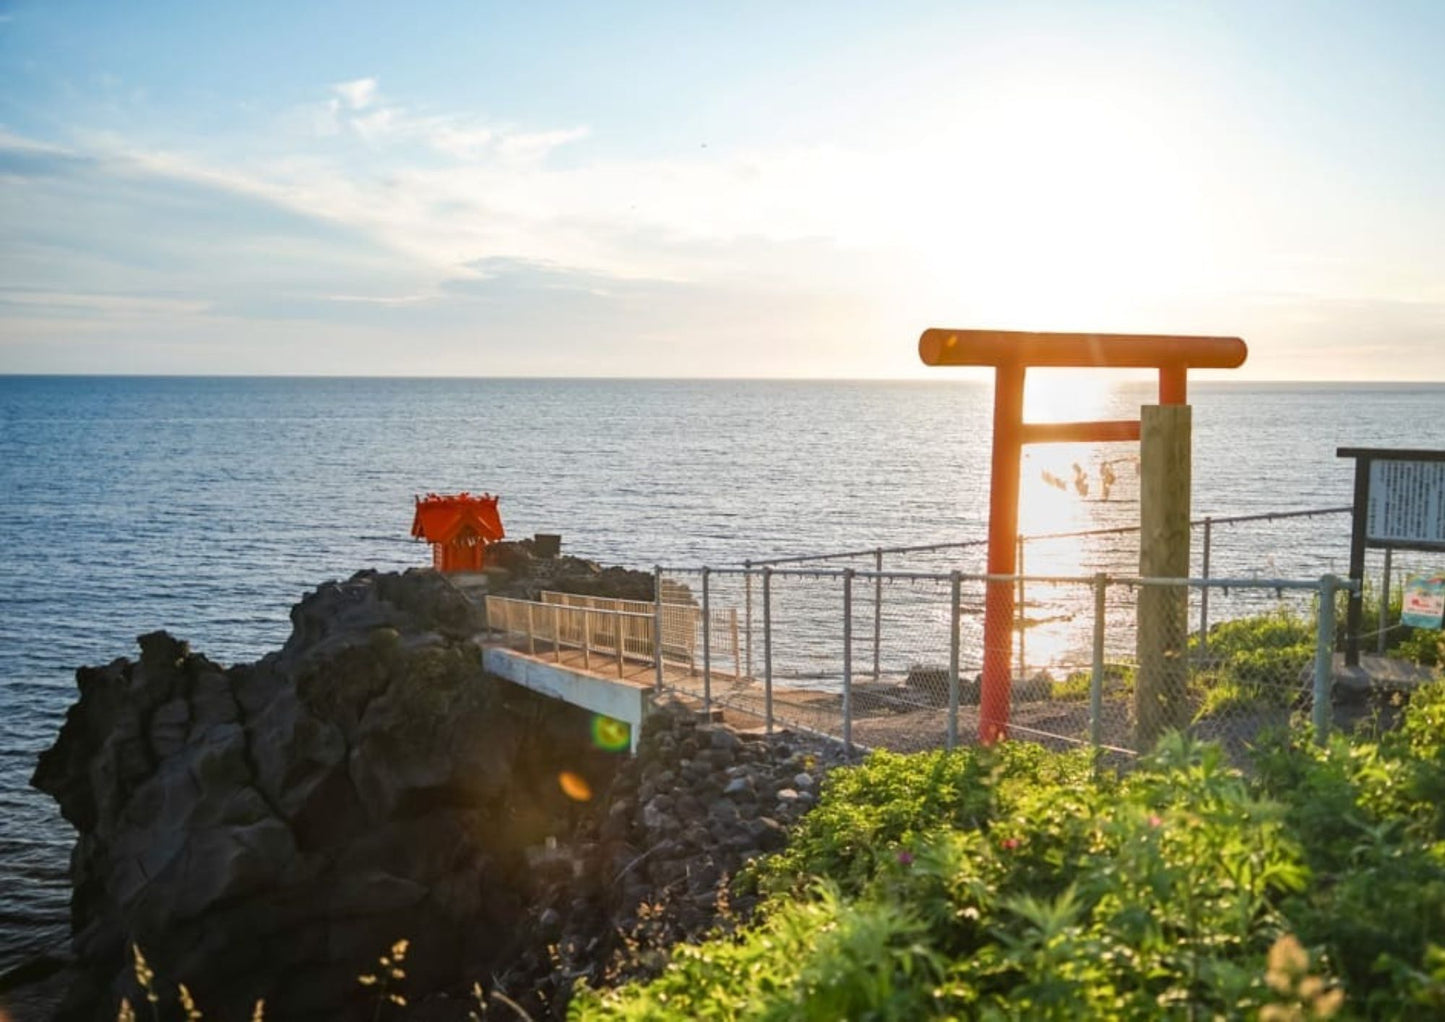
(1074, 487)
(1065, 396)
(1043, 205)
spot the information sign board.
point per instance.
(1424, 603)
(1399, 505)
(1406, 504)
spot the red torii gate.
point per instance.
(1011, 353)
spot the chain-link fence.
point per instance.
(896, 659)
(1276, 544)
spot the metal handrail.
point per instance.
(963, 576)
(1120, 530)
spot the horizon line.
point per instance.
(928, 380)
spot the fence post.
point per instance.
(531, 635)
(1096, 675)
(557, 633)
(1324, 659)
(706, 647)
(657, 625)
(877, 613)
(617, 617)
(768, 648)
(1019, 604)
(1204, 593)
(1384, 628)
(954, 601)
(848, 661)
(733, 625)
(587, 638)
(748, 615)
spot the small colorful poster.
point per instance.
(1424, 604)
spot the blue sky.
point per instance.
(714, 189)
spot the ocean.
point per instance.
(208, 506)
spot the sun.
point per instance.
(1065, 395)
(1044, 206)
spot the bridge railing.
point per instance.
(680, 621)
(622, 631)
(601, 635)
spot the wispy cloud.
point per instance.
(357, 94)
(362, 212)
(359, 109)
(100, 304)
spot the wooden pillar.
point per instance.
(1160, 701)
(1354, 614)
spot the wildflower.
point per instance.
(1287, 962)
(1330, 1002)
(905, 857)
(188, 1003)
(144, 974)
(1155, 820)
(1010, 843)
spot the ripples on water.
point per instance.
(209, 506)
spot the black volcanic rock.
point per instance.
(267, 830)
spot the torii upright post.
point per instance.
(1011, 354)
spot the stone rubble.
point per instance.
(699, 802)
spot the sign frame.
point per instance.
(1360, 539)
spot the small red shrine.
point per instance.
(459, 528)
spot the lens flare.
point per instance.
(611, 735)
(574, 786)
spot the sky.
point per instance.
(708, 189)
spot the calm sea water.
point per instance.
(209, 506)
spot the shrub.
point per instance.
(1019, 883)
(1252, 662)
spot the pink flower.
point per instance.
(1155, 820)
(905, 857)
(1010, 843)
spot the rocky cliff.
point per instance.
(262, 830)
(266, 830)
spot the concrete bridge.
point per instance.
(612, 657)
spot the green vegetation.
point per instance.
(1262, 661)
(1419, 645)
(1018, 883)
(1254, 661)
(1118, 681)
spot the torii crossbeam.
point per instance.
(1011, 353)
